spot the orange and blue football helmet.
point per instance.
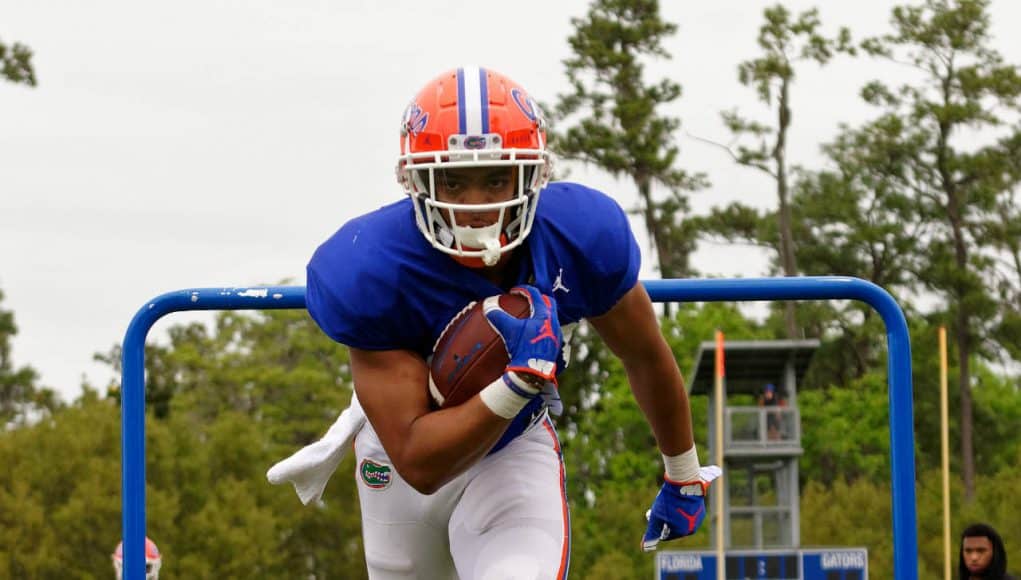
(473, 117)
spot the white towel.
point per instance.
(310, 468)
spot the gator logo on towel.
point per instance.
(375, 475)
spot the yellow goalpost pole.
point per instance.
(721, 563)
(945, 440)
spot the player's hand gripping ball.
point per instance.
(469, 354)
(533, 342)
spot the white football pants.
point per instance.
(505, 518)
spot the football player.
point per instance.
(153, 560)
(477, 490)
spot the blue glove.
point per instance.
(533, 343)
(678, 509)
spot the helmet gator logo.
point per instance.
(415, 119)
(375, 475)
(475, 142)
(526, 105)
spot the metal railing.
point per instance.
(761, 428)
(715, 290)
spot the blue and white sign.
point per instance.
(835, 564)
(806, 564)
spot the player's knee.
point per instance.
(517, 567)
(519, 553)
(389, 565)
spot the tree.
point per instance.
(20, 399)
(273, 364)
(208, 505)
(956, 187)
(855, 218)
(784, 42)
(1005, 232)
(858, 514)
(16, 64)
(621, 131)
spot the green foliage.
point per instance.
(855, 514)
(605, 72)
(21, 400)
(858, 514)
(612, 121)
(214, 515)
(995, 497)
(955, 187)
(996, 406)
(613, 464)
(907, 201)
(695, 323)
(606, 440)
(609, 531)
(226, 403)
(856, 219)
(845, 418)
(616, 565)
(846, 431)
(784, 41)
(686, 330)
(997, 415)
(54, 511)
(16, 64)
(274, 365)
(209, 507)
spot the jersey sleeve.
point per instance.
(351, 301)
(613, 256)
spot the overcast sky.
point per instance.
(216, 143)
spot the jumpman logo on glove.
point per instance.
(525, 338)
(679, 508)
(547, 330)
(692, 519)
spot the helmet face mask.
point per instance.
(473, 118)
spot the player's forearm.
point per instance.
(428, 448)
(631, 330)
(441, 445)
(659, 390)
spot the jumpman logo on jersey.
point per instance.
(558, 284)
(546, 332)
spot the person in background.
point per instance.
(774, 420)
(983, 556)
(153, 560)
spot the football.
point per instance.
(469, 354)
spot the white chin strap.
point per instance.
(486, 238)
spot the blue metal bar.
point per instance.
(133, 393)
(713, 290)
(902, 445)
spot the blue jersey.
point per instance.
(377, 284)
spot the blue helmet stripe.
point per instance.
(484, 97)
(461, 120)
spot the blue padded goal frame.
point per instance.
(905, 523)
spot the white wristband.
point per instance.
(683, 467)
(507, 395)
